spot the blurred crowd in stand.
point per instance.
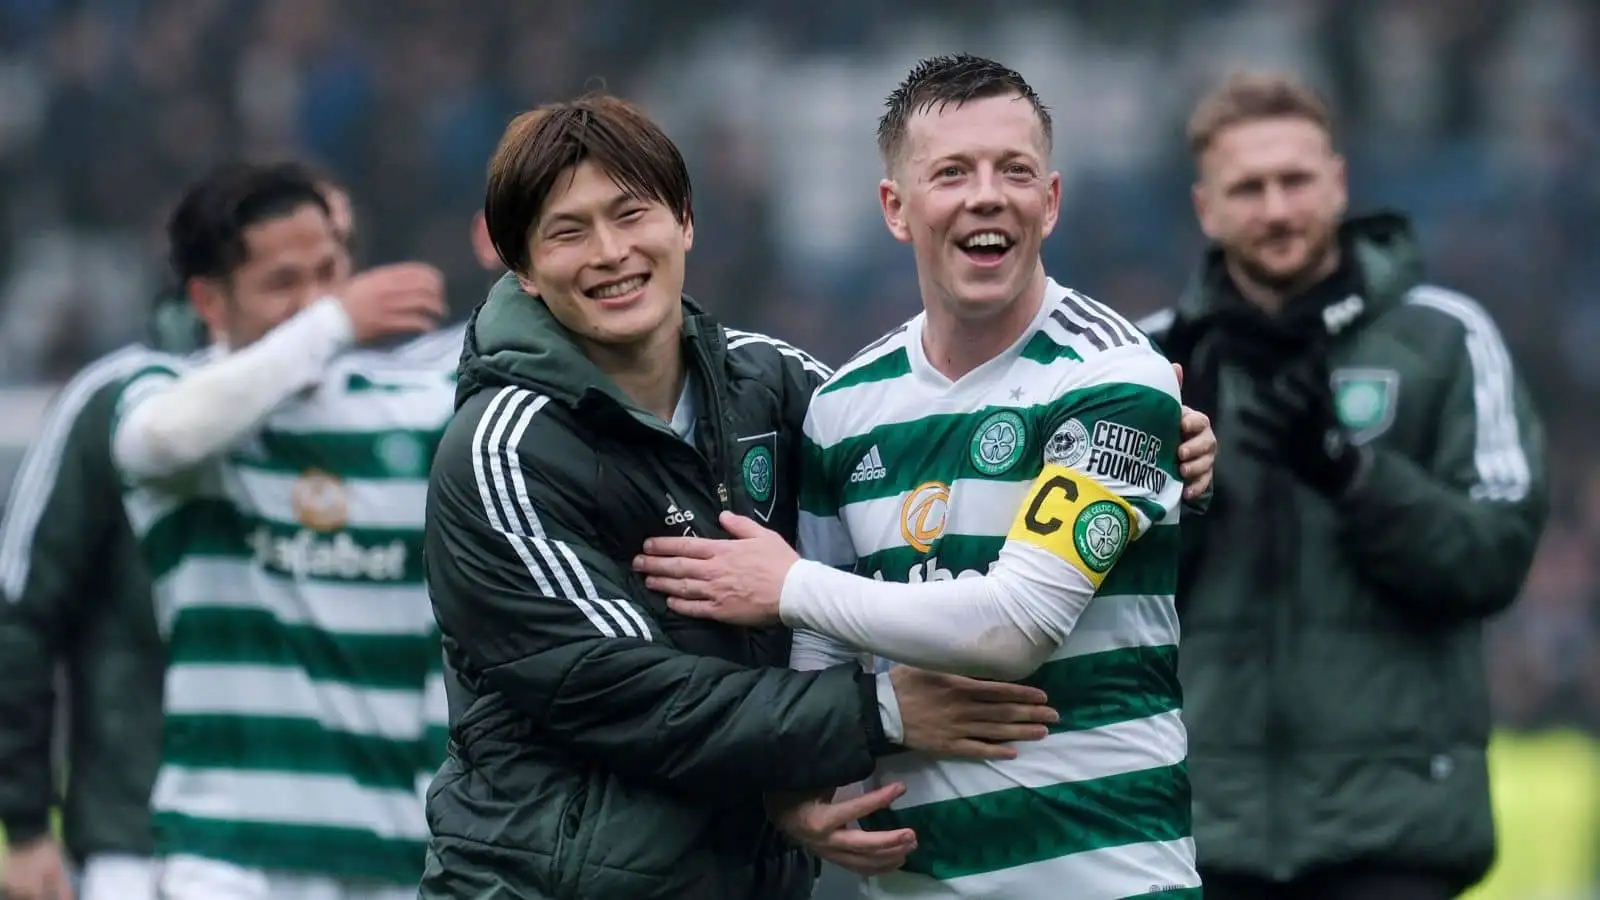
(1481, 118)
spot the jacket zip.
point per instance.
(1285, 592)
(716, 464)
(1274, 487)
(1277, 727)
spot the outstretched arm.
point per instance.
(170, 421)
(1072, 528)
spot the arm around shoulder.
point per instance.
(556, 626)
(169, 422)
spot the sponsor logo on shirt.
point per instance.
(321, 548)
(923, 514)
(930, 570)
(870, 467)
(319, 501)
(1110, 452)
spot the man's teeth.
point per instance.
(987, 239)
(618, 289)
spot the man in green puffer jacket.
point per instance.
(74, 595)
(1379, 494)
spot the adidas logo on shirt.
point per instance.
(676, 516)
(870, 468)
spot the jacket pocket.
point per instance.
(566, 860)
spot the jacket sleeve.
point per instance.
(1156, 325)
(435, 721)
(61, 505)
(1454, 536)
(802, 375)
(555, 626)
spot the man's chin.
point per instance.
(639, 324)
(1287, 278)
(975, 299)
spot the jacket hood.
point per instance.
(174, 327)
(1384, 248)
(513, 338)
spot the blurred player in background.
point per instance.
(274, 485)
(76, 597)
(992, 489)
(79, 600)
(341, 214)
(1382, 493)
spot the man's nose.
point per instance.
(610, 247)
(985, 195)
(1275, 201)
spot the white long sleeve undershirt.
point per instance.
(1002, 625)
(203, 412)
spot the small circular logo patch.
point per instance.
(1069, 445)
(1100, 533)
(998, 442)
(757, 473)
(402, 454)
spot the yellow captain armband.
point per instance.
(1071, 516)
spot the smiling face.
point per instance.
(973, 194)
(609, 264)
(1271, 194)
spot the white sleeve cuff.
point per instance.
(889, 710)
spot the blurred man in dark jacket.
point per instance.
(1380, 492)
(75, 596)
(76, 593)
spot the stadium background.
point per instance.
(1479, 117)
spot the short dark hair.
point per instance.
(943, 80)
(538, 147)
(205, 234)
(1251, 97)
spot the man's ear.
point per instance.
(894, 210)
(209, 298)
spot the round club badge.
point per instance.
(402, 454)
(998, 442)
(1100, 533)
(1069, 445)
(757, 473)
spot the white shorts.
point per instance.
(191, 878)
(118, 877)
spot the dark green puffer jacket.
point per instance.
(1332, 662)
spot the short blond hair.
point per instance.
(1251, 97)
